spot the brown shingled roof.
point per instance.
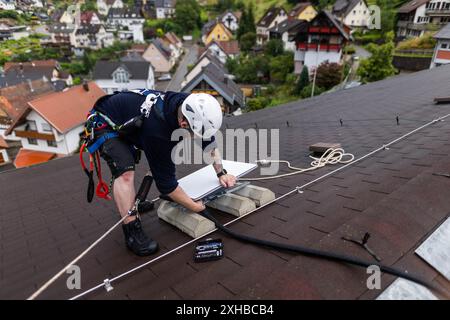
(412, 5)
(391, 194)
(14, 99)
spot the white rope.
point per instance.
(56, 276)
(331, 156)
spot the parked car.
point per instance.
(165, 77)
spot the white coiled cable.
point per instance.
(331, 156)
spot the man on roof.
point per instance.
(162, 114)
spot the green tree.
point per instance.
(379, 65)
(187, 15)
(247, 22)
(274, 47)
(280, 66)
(303, 80)
(247, 41)
(388, 15)
(307, 91)
(328, 75)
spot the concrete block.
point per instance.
(233, 204)
(187, 221)
(259, 195)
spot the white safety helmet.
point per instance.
(204, 114)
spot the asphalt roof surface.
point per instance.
(45, 220)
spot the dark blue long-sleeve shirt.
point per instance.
(154, 138)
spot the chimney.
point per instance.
(225, 80)
(85, 85)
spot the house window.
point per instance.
(444, 46)
(52, 144)
(46, 127)
(32, 141)
(121, 76)
(31, 126)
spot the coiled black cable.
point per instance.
(318, 254)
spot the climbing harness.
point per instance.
(96, 121)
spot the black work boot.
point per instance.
(145, 206)
(137, 241)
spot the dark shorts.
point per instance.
(120, 156)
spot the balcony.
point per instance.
(34, 135)
(315, 46)
(326, 30)
(438, 12)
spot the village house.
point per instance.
(302, 11)
(128, 22)
(272, 17)
(18, 72)
(224, 49)
(51, 125)
(89, 17)
(60, 33)
(441, 54)
(14, 100)
(91, 36)
(103, 6)
(165, 9)
(353, 13)
(319, 40)
(419, 16)
(215, 30)
(282, 31)
(124, 75)
(175, 45)
(205, 58)
(215, 81)
(160, 56)
(7, 5)
(9, 31)
(230, 19)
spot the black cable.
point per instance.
(318, 254)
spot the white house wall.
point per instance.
(358, 16)
(42, 144)
(314, 58)
(5, 155)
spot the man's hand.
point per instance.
(198, 207)
(227, 180)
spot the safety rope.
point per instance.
(331, 156)
(298, 189)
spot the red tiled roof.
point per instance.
(26, 158)
(66, 110)
(229, 47)
(34, 63)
